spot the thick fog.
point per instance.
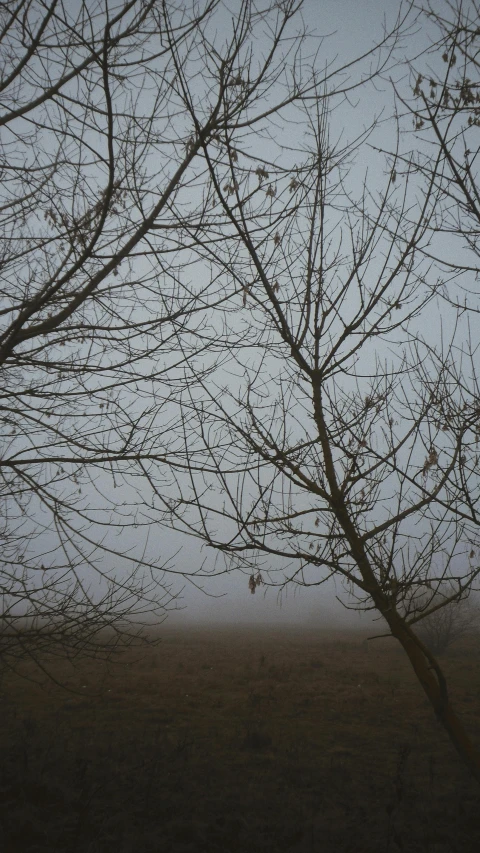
(228, 601)
(204, 589)
(351, 29)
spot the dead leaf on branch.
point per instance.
(254, 581)
(430, 461)
(262, 173)
(246, 290)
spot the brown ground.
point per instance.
(237, 742)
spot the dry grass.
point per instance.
(234, 741)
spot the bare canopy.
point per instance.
(345, 444)
(104, 155)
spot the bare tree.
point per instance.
(105, 176)
(445, 625)
(117, 119)
(444, 107)
(345, 442)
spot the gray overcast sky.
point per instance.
(353, 27)
(350, 29)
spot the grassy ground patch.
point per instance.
(235, 741)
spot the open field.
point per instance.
(235, 741)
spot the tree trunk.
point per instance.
(434, 684)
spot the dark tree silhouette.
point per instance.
(345, 444)
(446, 623)
(111, 114)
